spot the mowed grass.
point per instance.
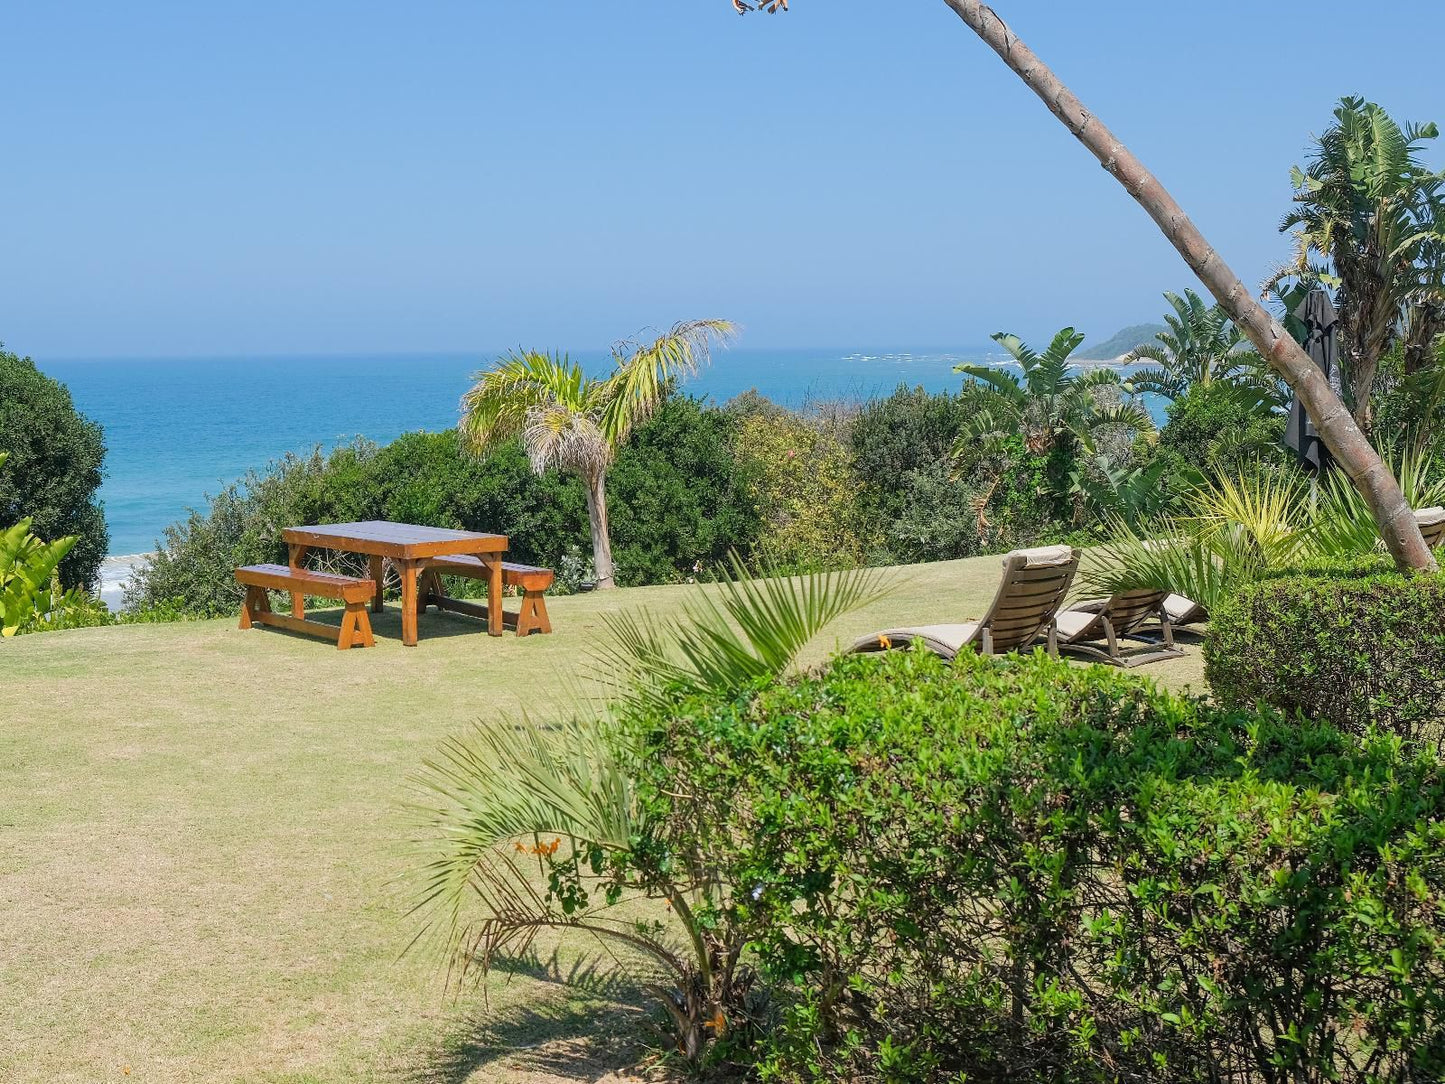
(204, 847)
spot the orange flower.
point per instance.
(884, 642)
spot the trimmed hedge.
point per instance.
(1356, 645)
(1014, 869)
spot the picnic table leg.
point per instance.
(408, 603)
(494, 594)
(378, 577)
(298, 562)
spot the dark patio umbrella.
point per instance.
(1317, 314)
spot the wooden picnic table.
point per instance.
(410, 546)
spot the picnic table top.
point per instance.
(387, 539)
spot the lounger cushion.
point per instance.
(1428, 517)
(1075, 620)
(945, 640)
(1183, 610)
(1044, 556)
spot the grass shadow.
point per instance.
(592, 1025)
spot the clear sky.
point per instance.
(205, 178)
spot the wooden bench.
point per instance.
(533, 582)
(355, 629)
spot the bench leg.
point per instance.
(256, 603)
(298, 561)
(429, 589)
(533, 615)
(378, 577)
(355, 628)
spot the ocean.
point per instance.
(179, 429)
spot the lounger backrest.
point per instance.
(1029, 595)
(1432, 525)
(1129, 609)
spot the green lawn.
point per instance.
(202, 832)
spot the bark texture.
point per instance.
(596, 486)
(1351, 449)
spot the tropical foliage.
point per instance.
(1203, 347)
(576, 423)
(30, 590)
(1368, 223)
(1049, 401)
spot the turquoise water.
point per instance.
(177, 430)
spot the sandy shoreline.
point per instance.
(115, 573)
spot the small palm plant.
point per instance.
(529, 829)
(573, 422)
(1202, 347)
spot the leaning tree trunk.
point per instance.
(1336, 427)
(596, 486)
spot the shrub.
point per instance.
(54, 468)
(801, 478)
(678, 498)
(1356, 645)
(1213, 429)
(1017, 869)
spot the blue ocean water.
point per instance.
(178, 429)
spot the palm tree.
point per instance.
(570, 421)
(1201, 347)
(1345, 440)
(1049, 402)
(1369, 221)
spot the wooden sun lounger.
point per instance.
(1119, 617)
(1033, 587)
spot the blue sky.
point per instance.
(204, 179)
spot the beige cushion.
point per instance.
(1043, 556)
(1183, 610)
(945, 640)
(1073, 622)
(1428, 517)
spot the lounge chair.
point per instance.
(1034, 584)
(1116, 618)
(1432, 525)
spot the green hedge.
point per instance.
(1020, 870)
(1355, 645)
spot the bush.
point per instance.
(1211, 430)
(1019, 870)
(1357, 645)
(801, 478)
(678, 499)
(54, 469)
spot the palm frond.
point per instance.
(498, 404)
(742, 630)
(641, 377)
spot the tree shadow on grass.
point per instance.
(588, 1020)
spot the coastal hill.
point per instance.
(1120, 343)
